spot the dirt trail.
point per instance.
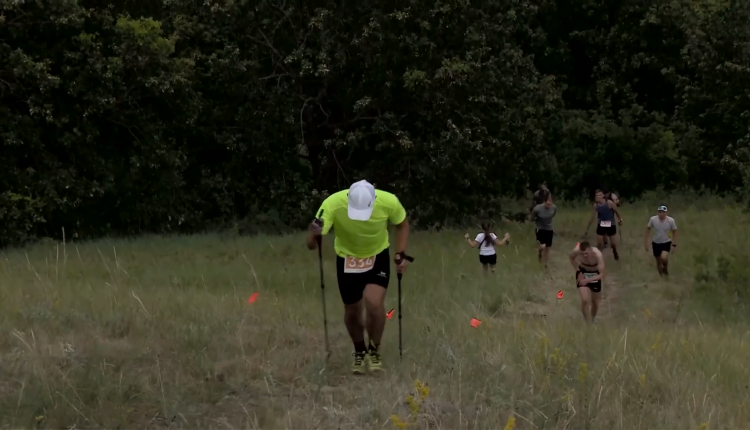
(560, 276)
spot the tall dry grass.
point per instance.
(157, 333)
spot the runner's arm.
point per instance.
(674, 237)
(600, 268)
(402, 235)
(592, 217)
(472, 242)
(614, 208)
(326, 217)
(647, 235)
(572, 258)
(398, 219)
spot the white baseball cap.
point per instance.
(361, 200)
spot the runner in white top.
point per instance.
(486, 240)
(661, 242)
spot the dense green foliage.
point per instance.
(183, 115)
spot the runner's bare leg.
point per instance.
(614, 241)
(595, 300)
(665, 262)
(585, 293)
(353, 322)
(374, 299)
(659, 267)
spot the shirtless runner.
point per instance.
(589, 265)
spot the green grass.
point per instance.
(157, 333)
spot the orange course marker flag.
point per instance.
(252, 298)
(475, 322)
(389, 314)
(560, 294)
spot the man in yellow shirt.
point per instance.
(360, 217)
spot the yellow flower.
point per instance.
(642, 380)
(40, 418)
(582, 371)
(398, 422)
(511, 423)
(703, 426)
(656, 343)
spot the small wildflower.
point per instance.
(582, 371)
(642, 380)
(544, 341)
(511, 423)
(39, 418)
(398, 422)
(423, 390)
(656, 344)
(703, 426)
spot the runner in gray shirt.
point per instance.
(661, 243)
(542, 216)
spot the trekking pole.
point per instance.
(399, 275)
(319, 239)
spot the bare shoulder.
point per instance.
(599, 255)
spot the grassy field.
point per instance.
(158, 333)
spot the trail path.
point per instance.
(560, 276)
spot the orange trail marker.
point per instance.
(252, 298)
(560, 294)
(475, 322)
(389, 314)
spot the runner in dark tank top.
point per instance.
(605, 211)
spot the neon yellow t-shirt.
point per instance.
(360, 239)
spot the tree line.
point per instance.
(180, 116)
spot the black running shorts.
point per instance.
(544, 237)
(606, 231)
(488, 259)
(595, 287)
(658, 248)
(352, 285)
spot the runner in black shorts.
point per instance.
(360, 217)
(487, 241)
(604, 211)
(589, 266)
(542, 215)
(661, 243)
(608, 195)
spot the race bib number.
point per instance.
(605, 223)
(589, 275)
(358, 265)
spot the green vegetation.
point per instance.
(157, 332)
(184, 116)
